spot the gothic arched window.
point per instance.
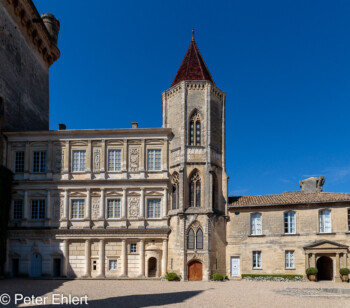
(174, 191)
(195, 190)
(195, 130)
(190, 239)
(199, 239)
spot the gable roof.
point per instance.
(192, 66)
(321, 242)
(287, 199)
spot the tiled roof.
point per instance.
(192, 66)
(287, 199)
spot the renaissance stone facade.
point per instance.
(143, 202)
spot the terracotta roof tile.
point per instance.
(287, 199)
(192, 66)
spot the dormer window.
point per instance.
(195, 130)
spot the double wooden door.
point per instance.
(195, 271)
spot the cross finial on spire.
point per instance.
(192, 34)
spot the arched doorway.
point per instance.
(35, 265)
(195, 271)
(325, 268)
(152, 267)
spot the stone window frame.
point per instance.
(295, 222)
(131, 250)
(195, 229)
(116, 264)
(195, 118)
(71, 208)
(78, 149)
(319, 221)
(15, 162)
(31, 208)
(175, 185)
(251, 225)
(154, 148)
(122, 163)
(14, 209)
(161, 200)
(39, 150)
(106, 208)
(259, 253)
(195, 178)
(285, 258)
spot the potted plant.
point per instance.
(311, 273)
(344, 274)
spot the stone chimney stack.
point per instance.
(312, 185)
(52, 25)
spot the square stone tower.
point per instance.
(194, 108)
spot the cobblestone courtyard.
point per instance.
(141, 293)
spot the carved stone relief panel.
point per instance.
(134, 159)
(59, 160)
(95, 208)
(97, 159)
(57, 208)
(133, 205)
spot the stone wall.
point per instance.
(274, 242)
(24, 88)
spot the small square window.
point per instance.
(133, 248)
(112, 265)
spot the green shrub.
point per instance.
(218, 277)
(344, 271)
(172, 277)
(272, 277)
(311, 271)
(226, 277)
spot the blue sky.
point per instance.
(284, 66)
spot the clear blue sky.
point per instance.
(284, 66)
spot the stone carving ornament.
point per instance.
(97, 158)
(133, 207)
(59, 159)
(95, 208)
(58, 208)
(134, 159)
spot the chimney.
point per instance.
(52, 25)
(312, 185)
(134, 125)
(62, 126)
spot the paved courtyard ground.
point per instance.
(143, 293)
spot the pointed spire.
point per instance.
(192, 66)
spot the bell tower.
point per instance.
(194, 108)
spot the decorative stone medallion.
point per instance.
(133, 207)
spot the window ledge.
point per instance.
(256, 235)
(257, 269)
(290, 269)
(291, 234)
(348, 232)
(326, 233)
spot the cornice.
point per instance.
(33, 27)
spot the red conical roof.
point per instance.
(193, 66)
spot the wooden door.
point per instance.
(195, 271)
